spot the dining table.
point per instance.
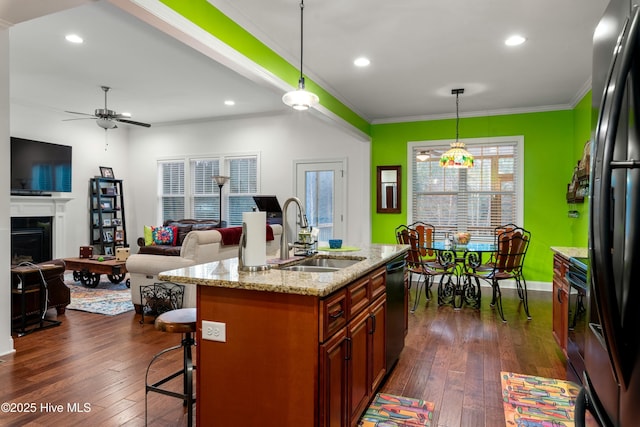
(458, 286)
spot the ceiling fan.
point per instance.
(106, 118)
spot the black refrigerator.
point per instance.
(611, 384)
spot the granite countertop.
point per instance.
(225, 273)
(571, 252)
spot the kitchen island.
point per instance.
(295, 348)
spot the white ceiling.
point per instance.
(419, 51)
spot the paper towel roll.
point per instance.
(255, 253)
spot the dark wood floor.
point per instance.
(451, 358)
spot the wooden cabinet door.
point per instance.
(358, 366)
(560, 302)
(377, 350)
(333, 381)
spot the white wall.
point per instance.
(88, 142)
(280, 140)
(6, 342)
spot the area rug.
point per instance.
(537, 401)
(106, 298)
(388, 410)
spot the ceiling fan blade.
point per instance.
(84, 114)
(131, 122)
(79, 118)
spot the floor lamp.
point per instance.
(220, 180)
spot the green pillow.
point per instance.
(148, 235)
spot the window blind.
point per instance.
(205, 197)
(477, 199)
(201, 198)
(243, 185)
(172, 190)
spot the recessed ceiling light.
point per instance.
(362, 62)
(515, 40)
(73, 38)
(229, 102)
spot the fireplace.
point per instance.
(31, 239)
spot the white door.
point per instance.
(321, 188)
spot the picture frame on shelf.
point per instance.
(106, 205)
(116, 222)
(106, 222)
(108, 250)
(106, 172)
(108, 236)
(119, 235)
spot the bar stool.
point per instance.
(181, 321)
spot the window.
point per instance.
(475, 200)
(243, 185)
(199, 198)
(171, 189)
(205, 194)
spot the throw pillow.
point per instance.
(148, 238)
(164, 235)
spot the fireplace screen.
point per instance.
(30, 239)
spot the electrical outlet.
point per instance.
(214, 331)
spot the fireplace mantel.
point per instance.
(53, 206)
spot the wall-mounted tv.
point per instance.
(39, 168)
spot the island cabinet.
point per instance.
(560, 301)
(353, 362)
(290, 359)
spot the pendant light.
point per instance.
(457, 156)
(300, 99)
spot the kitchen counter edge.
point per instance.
(225, 274)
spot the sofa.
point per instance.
(197, 247)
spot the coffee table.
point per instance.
(88, 270)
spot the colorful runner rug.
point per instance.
(388, 410)
(537, 401)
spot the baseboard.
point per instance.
(7, 347)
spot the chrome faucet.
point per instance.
(284, 244)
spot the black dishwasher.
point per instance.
(395, 327)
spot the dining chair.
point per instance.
(416, 265)
(512, 245)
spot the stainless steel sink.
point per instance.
(310, 268)
(321, 265)
(336, 263)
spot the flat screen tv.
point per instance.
(39, 168)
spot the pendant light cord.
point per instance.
(457, 117)
(301, 82)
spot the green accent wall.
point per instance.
(210, 19)
(550, 141)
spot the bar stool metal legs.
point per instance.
(176, 321)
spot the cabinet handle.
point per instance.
(559, 296)
(373, 323)
(336, 315)
(349, 349)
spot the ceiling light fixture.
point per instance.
(229, 102)
(423, 156)
(457, 156)
(73, 38)
(301, 99)
(362, 62)
(515, 40)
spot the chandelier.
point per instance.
(457, 156)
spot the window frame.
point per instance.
(413, 146)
